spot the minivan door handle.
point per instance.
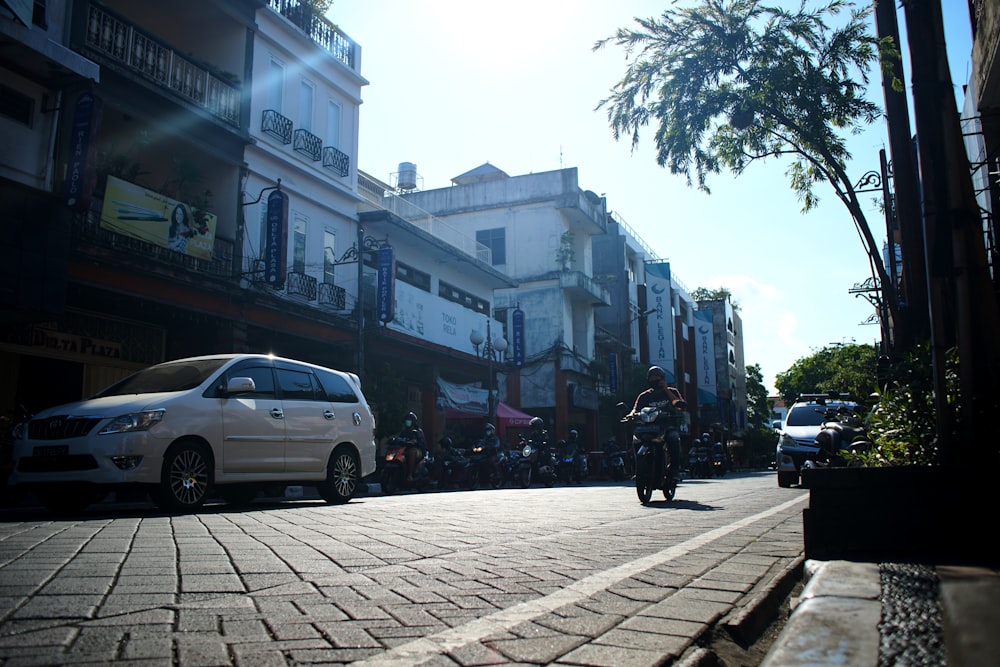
(328, 414)
(277, 413)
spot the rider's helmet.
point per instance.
(655, 373)
(705, 437)
(490, 429)
(573, 435)
(446, 442)
(410, 420)
(536, 423)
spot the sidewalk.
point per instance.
(892, 614)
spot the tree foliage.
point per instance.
(840, 368)
(757, 405)
(731, 83)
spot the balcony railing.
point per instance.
(336, 161)
(277, 126)
(307, 143)
(318, 28)
(333, 296)
(142, 53)
(300, 284)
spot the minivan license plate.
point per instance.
(49, 451)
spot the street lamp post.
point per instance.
(493, 349)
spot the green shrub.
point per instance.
(902, 426)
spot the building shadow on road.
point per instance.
(681, 505)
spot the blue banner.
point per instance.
(613, 371)
(386, 284)
(276, 233)
(81, 175)
(517, 337)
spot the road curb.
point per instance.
(747, 624)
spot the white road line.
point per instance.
(422, 650)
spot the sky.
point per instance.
(454, 84)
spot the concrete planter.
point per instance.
(910, 514)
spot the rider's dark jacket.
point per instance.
(660, 398)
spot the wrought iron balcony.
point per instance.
(307, 143)
(318, 28)
(300, 284)
(140, 52)
(336, 161)
(277, 126)
(333, 295)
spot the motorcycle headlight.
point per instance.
(134, 421)
(526, 452)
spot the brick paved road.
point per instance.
(574, 575)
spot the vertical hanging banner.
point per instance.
(81, 172)
(386, 284)
(613, 371)
(517, 337)
(660, 324)
(276, 233)
(704, 341)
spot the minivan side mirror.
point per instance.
(240, 385)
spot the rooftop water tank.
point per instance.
(407, 176)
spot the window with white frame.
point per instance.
(299, 230)
(275, 85)
(329, 255)
(306, 94)
(332, 124)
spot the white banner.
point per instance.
(704, 339)
(660, 324)
(463, 397)
(436, 320)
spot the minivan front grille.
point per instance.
(61, 427)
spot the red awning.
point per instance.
(507, 417)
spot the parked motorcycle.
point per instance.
(652, 429)
(613, 465)
(394, 473)
(842, 431)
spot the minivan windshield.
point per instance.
(807, 415)
(166, 377)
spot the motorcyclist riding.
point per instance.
(491, 446)
(538, 435)
(572, 447)
(413, 435)
(662, 395)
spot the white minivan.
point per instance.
(222, 426)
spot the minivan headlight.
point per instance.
(134, 421)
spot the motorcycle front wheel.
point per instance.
(644, 479)
(669, 490)
(525, 477)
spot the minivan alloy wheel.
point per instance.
(185, 479)
(342, 477)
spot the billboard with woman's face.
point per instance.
(149, 216)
